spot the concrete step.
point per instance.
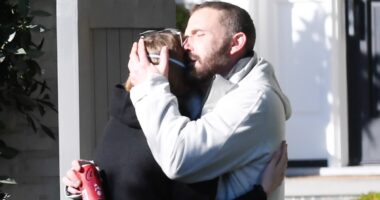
(344, 184)
(331, 197)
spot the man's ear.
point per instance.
(238, 43)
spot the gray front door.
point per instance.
(363, 75)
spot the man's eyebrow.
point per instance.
(194, 31)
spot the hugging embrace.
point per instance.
(200, 117)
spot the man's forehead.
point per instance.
(206, 14)
(203, 19)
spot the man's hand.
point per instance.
(274, 173)
(140, 69)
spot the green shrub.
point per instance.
(182, 15)
(370, 196)
(22, 89)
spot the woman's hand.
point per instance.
(71, 180)
(274, 172)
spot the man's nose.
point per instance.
(186, 44)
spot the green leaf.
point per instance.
(4, 195)
(11, 37)
(40, 13)
(31, 26)
(39, 28)
(7, 180)
(20, 51)
(48, 131)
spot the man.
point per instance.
(243, 118)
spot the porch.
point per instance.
(345, 183)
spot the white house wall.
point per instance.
(304, 39)
(301, 52)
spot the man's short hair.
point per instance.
(234, 18)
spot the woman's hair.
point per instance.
(154, 42)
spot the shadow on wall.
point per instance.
(305, 59)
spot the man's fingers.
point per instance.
(279, 153)
(143, 57)
(139, 65)
(133, 54)
(276, 157)
(284, 155)
(163, 67)
(133, 60)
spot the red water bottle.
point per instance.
(91, 183)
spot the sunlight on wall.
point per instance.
(330, 132)
(304, 58)
(302, 14)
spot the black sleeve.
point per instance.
(257, 193)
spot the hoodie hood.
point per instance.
(122, 108)
(265, 69)
(262, 72)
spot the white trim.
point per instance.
(258, 11)
(335, 171)
(68, 85)
(350, 171)
(339, 87)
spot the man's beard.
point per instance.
(211, 65)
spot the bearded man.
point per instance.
(243, 117)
